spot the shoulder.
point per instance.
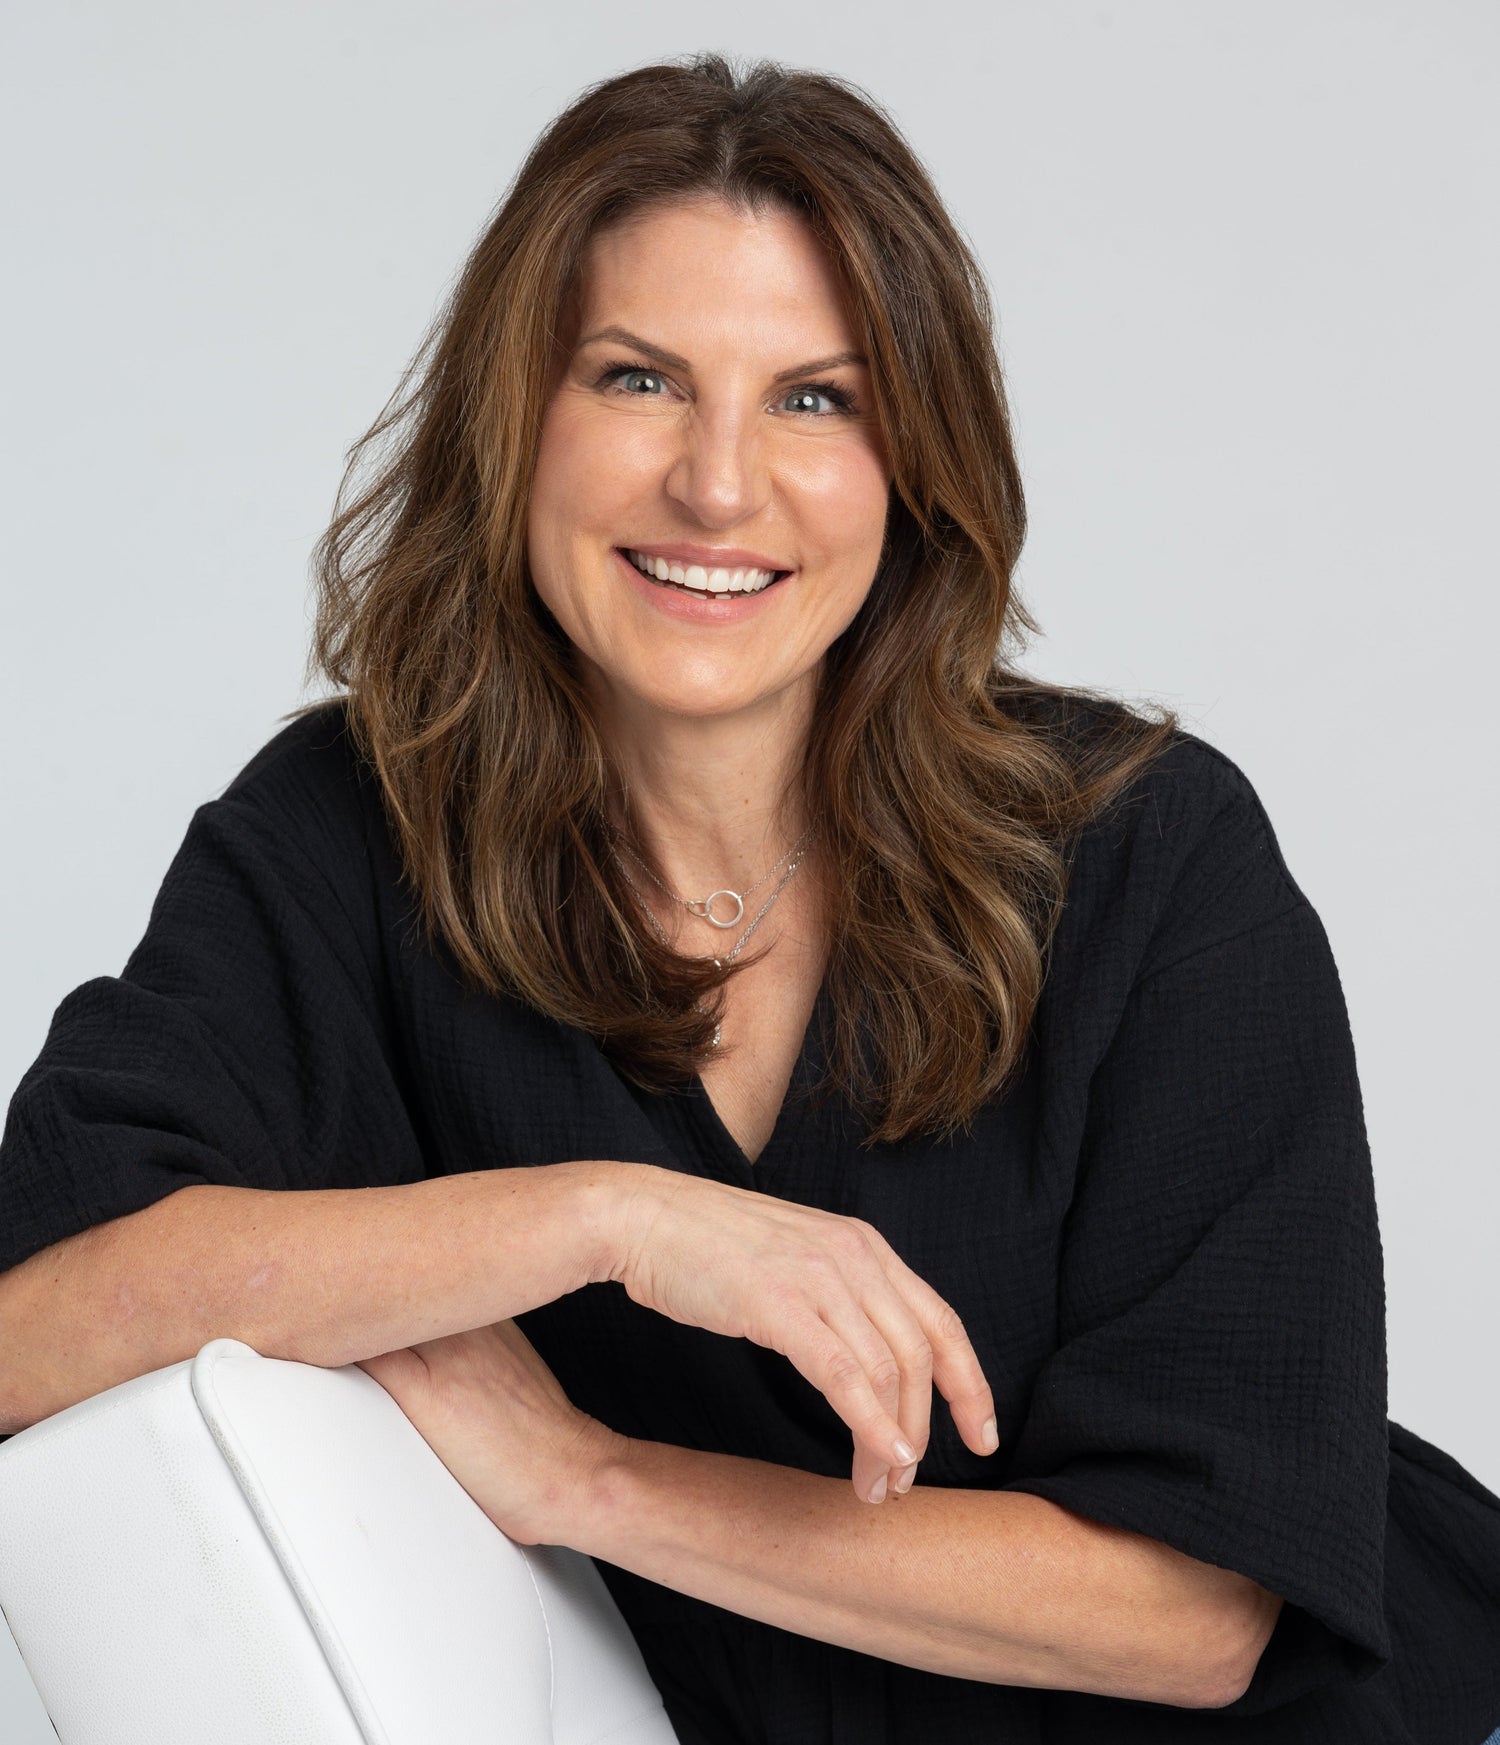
(1189, 806)
(1185, 857)
(307, 800)
(1191, 795)
(315, 754)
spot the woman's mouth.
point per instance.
(695, 579)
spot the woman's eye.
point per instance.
(801, 399)
(631, 381)
(640, 382)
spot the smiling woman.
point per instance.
(777, 358)
(698, 649)
(708, 432)
(709, 998)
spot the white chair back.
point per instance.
(258, 1552)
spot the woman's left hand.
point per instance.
(496, 1417)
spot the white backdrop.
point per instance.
(1246, 269)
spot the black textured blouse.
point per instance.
(1162, 1240)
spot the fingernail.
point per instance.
(877, 1490)
(905, 1453)
(989, 1436)
(903, 1480)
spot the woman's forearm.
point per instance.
(323, 1276)
(999, 1586)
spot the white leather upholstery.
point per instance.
(248, 1551)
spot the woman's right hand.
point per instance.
(826, 1291)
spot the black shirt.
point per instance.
(1162, 1240)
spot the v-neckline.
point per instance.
(712, 1123)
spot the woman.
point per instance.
(755, 1006)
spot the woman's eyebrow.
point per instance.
(622, 336)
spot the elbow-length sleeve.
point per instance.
(244, 1043)
(1219, 1382)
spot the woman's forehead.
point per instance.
(702, 266)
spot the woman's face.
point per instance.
(714, 418)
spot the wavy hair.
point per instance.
(948, 785)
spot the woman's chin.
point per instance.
(706, 704)
(649, 695)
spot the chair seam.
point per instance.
(242, 1468)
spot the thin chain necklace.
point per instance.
(799, 854)
(703, 907)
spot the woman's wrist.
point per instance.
(606, 1198)
(579, 1509)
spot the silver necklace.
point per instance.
(703, 907)
(799, 854)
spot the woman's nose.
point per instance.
(721, 472)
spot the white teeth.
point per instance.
(703, 581)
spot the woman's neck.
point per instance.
(714, 800)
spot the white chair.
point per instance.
(248, 1551)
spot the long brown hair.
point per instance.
(948, 786)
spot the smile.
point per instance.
(694, 579)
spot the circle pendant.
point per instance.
(706, 909)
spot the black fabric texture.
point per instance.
(1162, 1240)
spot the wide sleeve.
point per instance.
(246, 1041)
(1219, 1382)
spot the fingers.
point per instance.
(824, 1357)
(891, 1346)
(886, 1337)
(931, 1347)
(955, 1367)
(831, 1295)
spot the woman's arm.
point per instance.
(325, 1276)
(1000, 1586)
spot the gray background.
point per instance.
(1246, 275)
